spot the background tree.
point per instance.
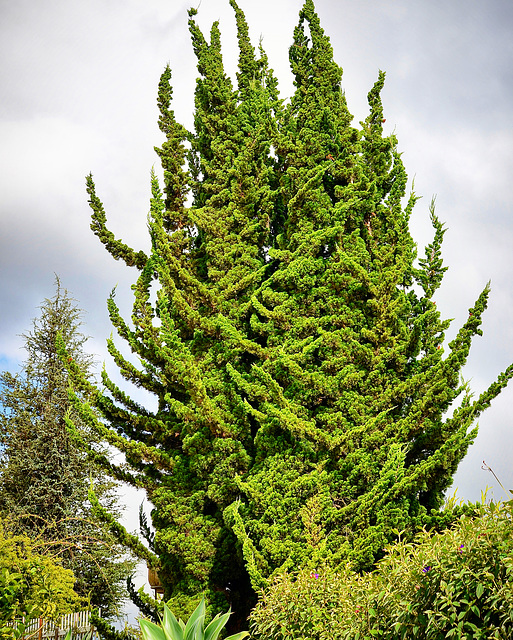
(287, 332)
(44, 475)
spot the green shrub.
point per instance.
(455, 584)
(31, 584)
(305, 605)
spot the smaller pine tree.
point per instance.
(44, 475)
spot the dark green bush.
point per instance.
(455, 584)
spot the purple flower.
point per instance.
(460, 548)
(425, 569)
(314, 575)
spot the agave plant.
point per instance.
(173, 629)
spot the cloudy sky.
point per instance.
(78, 94)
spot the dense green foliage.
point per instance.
(44, 475)
(287, 331)
(455, 584)
(31, 584)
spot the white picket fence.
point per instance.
(78, 622)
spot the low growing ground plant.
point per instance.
(172, 628)
(454, 584)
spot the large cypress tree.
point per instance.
(287, 330)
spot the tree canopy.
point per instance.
(287, 330)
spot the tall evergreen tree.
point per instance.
(44, 475)
(294, 346)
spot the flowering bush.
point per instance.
(455, 584)
(308, 604)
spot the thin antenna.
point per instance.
(485, 467)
